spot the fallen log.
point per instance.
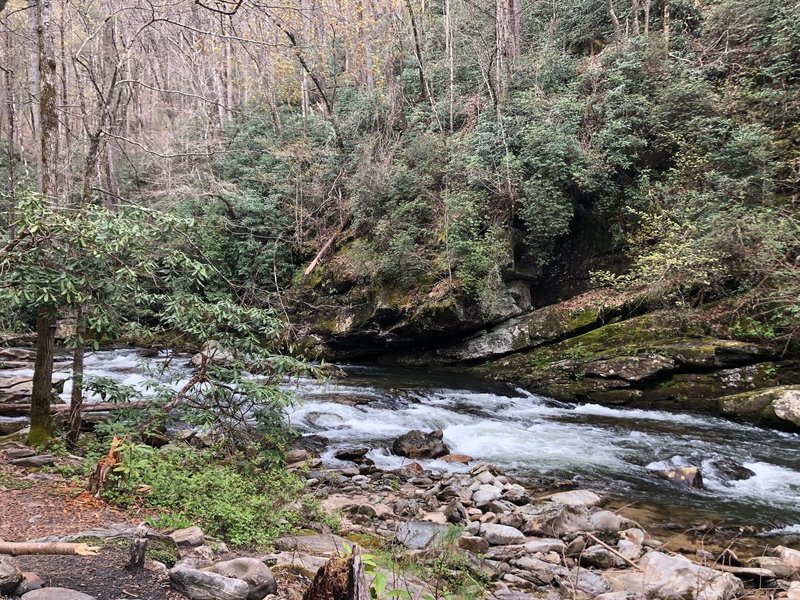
(20, 548)
(20, 410)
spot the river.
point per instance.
(598, 447)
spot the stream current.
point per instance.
(598, 447)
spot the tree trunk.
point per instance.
(635, 17)
(615, 22)
(423, 85)
(646, 17)
(41, 394)
(10, 138)
(76, 399)
(666, 26)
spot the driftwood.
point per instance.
(20, 548)
(20, 410)
(340, 579)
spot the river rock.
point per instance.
(629, 549)
(254, 573)
(773, 564)
(10, 576)
(56, 593)
(351, 453)
(474, 544)
(729, 470)
(788, 555)
(455, 512)
(418, 535)
(631, 368)
(676, 578)
(686, 476)
(598, 556)
(486, 494)
(558, 521)
(188, 537)
(544, 545)
(204, 585)
(318, 545)
(576, 498)
(418, 444)
(500, 535)
(605, 520)
(213, 353)
(457, 458)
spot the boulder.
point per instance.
(773, 564)
(418, 444)
(501, 535)
(544, 545)
(676, 578)
(474, 544)
(418, 535)
(10, 576)
(778, 405)
(576, 498)
(455, 512)
(729, 470)
(605, 520)
(196, 584)
(254, 573)
(685, 476)
(457, 458)
(318, 545)
(56, 593)
(188, 537)
(788, 555)
(351, 453)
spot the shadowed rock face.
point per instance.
(418, 444)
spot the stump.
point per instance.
(340, 579)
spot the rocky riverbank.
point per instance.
(476, 533)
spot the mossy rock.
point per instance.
(778, 405)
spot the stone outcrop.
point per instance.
(779, 405)
(418, 444)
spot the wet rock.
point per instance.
(188, 537)
(10, 576)
(729, 470)
(254, 573)
(576, 498)
(776, 405)
(205, 585)
(418, 444)
(351, 453)
(675, 577)
(457, 458)
(685, 476)
(501, 535)
(474, 544)
(56, 593)
(418, 535)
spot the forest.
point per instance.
(593, 200)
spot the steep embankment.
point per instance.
(601, 347)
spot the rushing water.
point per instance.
(599, 447)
